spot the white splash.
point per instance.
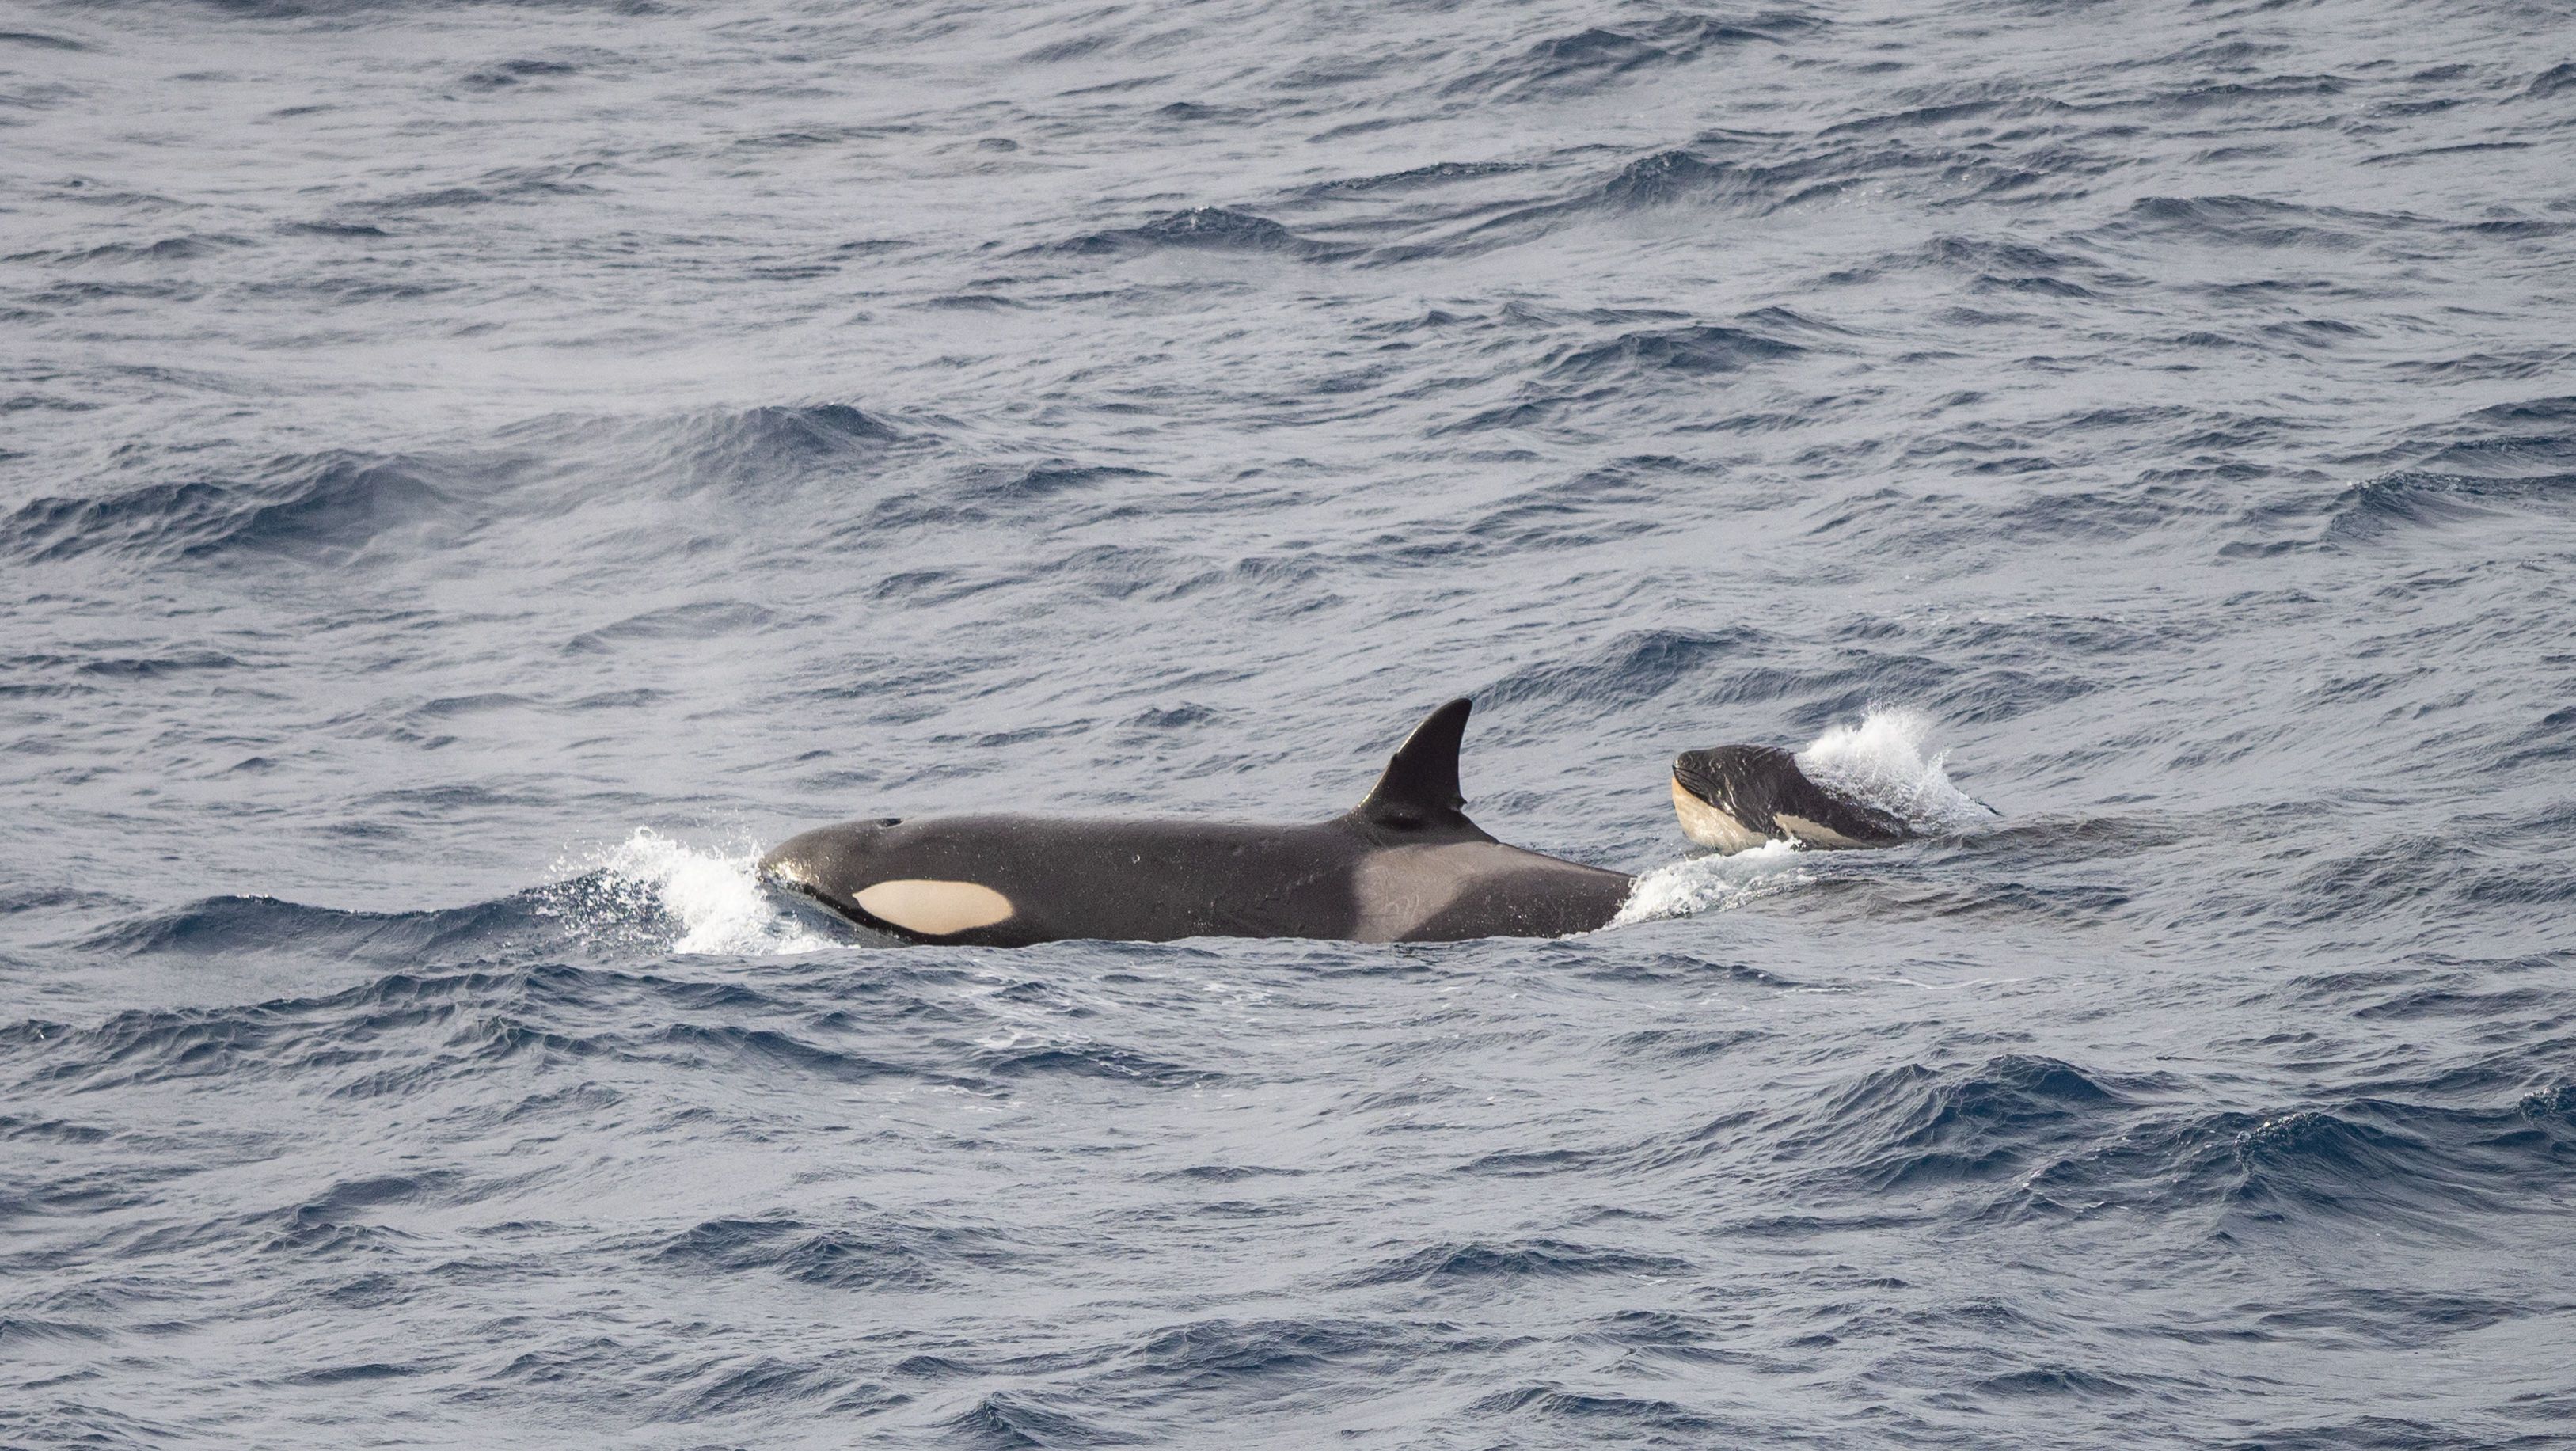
(713, 895)
(1713, 883)
(1881, 763)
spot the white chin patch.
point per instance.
(1707, 826)
(935, 909)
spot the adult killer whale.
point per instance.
(1405, 865)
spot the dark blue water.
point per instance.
(470, 474)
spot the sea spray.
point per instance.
(1713, 883)
(1882, 762)
(693, 899)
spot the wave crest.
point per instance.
(325, 508)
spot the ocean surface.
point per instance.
(471, 475)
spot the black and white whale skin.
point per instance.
(1405, 865)
(1737, 797)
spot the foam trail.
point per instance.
(1712, 883)
(1881, 762)
(713, 897)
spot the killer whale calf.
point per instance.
(1732, 798)
(1405, 865)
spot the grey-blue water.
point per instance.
(470, 474)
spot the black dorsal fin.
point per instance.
(1420, 787)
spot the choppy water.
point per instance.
(469, 474)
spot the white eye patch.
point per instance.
(933, 908)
